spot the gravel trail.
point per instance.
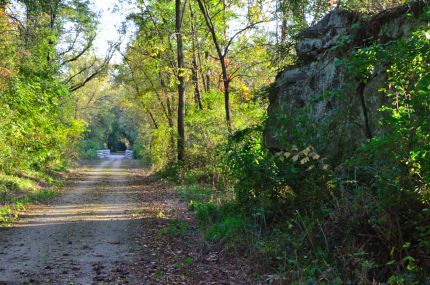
(88, 235)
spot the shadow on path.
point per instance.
(87, 235)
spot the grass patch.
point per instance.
(194, 195)
(220, 220)
(174, 228)
(17, 192)
(10, 184)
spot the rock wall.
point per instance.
(350, 116)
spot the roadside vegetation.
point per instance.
(300, 217)
(53, 91)
(17, 191)
(190, 97)
(38, 128)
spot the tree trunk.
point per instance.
(360, 91)
(181, 85)
(201, 69)
(169, 114)
(208, 79)
(154, 122)
(195, 70)
(226, 83)
(53, 17)
(168, 105)
(222, 54)
(195, 76)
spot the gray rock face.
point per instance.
(339, 110)
(325, 34)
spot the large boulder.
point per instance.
(318, 98)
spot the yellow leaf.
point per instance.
(159, 214)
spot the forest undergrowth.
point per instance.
(189, 94)
(302, 218)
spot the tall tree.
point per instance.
(181, 83)
(216, 22)
(195, 56)
(153, 57)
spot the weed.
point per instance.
(174, 228)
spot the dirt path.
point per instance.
(115, 224)
(88, 235)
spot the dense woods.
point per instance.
(338, 200)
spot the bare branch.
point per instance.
(98, 70)
(85, 68)
(250, 26)
(72, 46)
(21, 26)
(81, 53)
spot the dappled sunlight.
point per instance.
(93, 221)
(214, 142)
(105, 196)
(82, 212)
